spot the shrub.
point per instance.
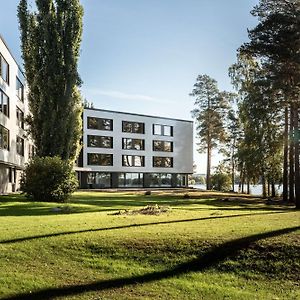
(48, 179)
(221, 182)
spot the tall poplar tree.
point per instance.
(50, 42)
(211, 107)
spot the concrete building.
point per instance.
(131, 150)
(15, 149)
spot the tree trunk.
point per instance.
(208, 179)
(248, 186)
(273, 189)
(269, 190)
(285, 155)
(291, 158)
(243, 180)
(264, 190)
(296, 143)
(232, 166)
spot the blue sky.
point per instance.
(143, 56)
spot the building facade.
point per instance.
(125, 150)
(15, 149)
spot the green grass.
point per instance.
(202, 248)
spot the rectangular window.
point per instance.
(130, 180)
(99, 123)
(20, 118)
(97, 180)
(4, 138)
(20, 146)
(160, 180)
(133, 144)
(181, 180)
(4, 69)
(164, 146)
(4, 103)
(133, 127)
(162, 162)
(133, 161)
(31, 151)
(97, 141)
(97, 159)
(165, 130)
(19, 89)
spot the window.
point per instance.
(20, 146)
(20, 89)
(181, 180)
(4, 69)
(98, 159)
(133, 127)
(99, 180)
(4, 138)
(99, 123)
(100, 141)
(4, 103)
(162, 162)
(165, 130)
(130, 180)
(20, 118)
(31, 151)
(133, 144)
(163, 146)
(160, 180)
(133, 161)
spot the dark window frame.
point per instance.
(4, 146)
(164, 145)
(2, 110)
(162, 130)
(100, 154)
(20, 86)
(20, 121)
(99, 123)
(133, 161)
(101, 137)
(20, 142)
(163, 158)
(2, 59)
(132, 125)
(141, 140)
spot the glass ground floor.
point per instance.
(100, 180)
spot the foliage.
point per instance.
(211, 107)
(50, 41)
(274, 44)
(221, 179)
(49, 179)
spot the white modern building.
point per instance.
(132, 150)
(15, 149)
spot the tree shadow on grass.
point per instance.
(205, 261)
(29, 238)
(18, 205)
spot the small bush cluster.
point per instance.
(221, 182)
(49, 179)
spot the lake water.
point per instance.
(254, 189)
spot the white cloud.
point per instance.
(126, 96)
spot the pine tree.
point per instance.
(275, 41)
(50, 42)
(211, 107)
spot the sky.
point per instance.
(143, 56)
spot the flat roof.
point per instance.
(11, 54)
(135, 114)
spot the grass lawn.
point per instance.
(202, 248)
